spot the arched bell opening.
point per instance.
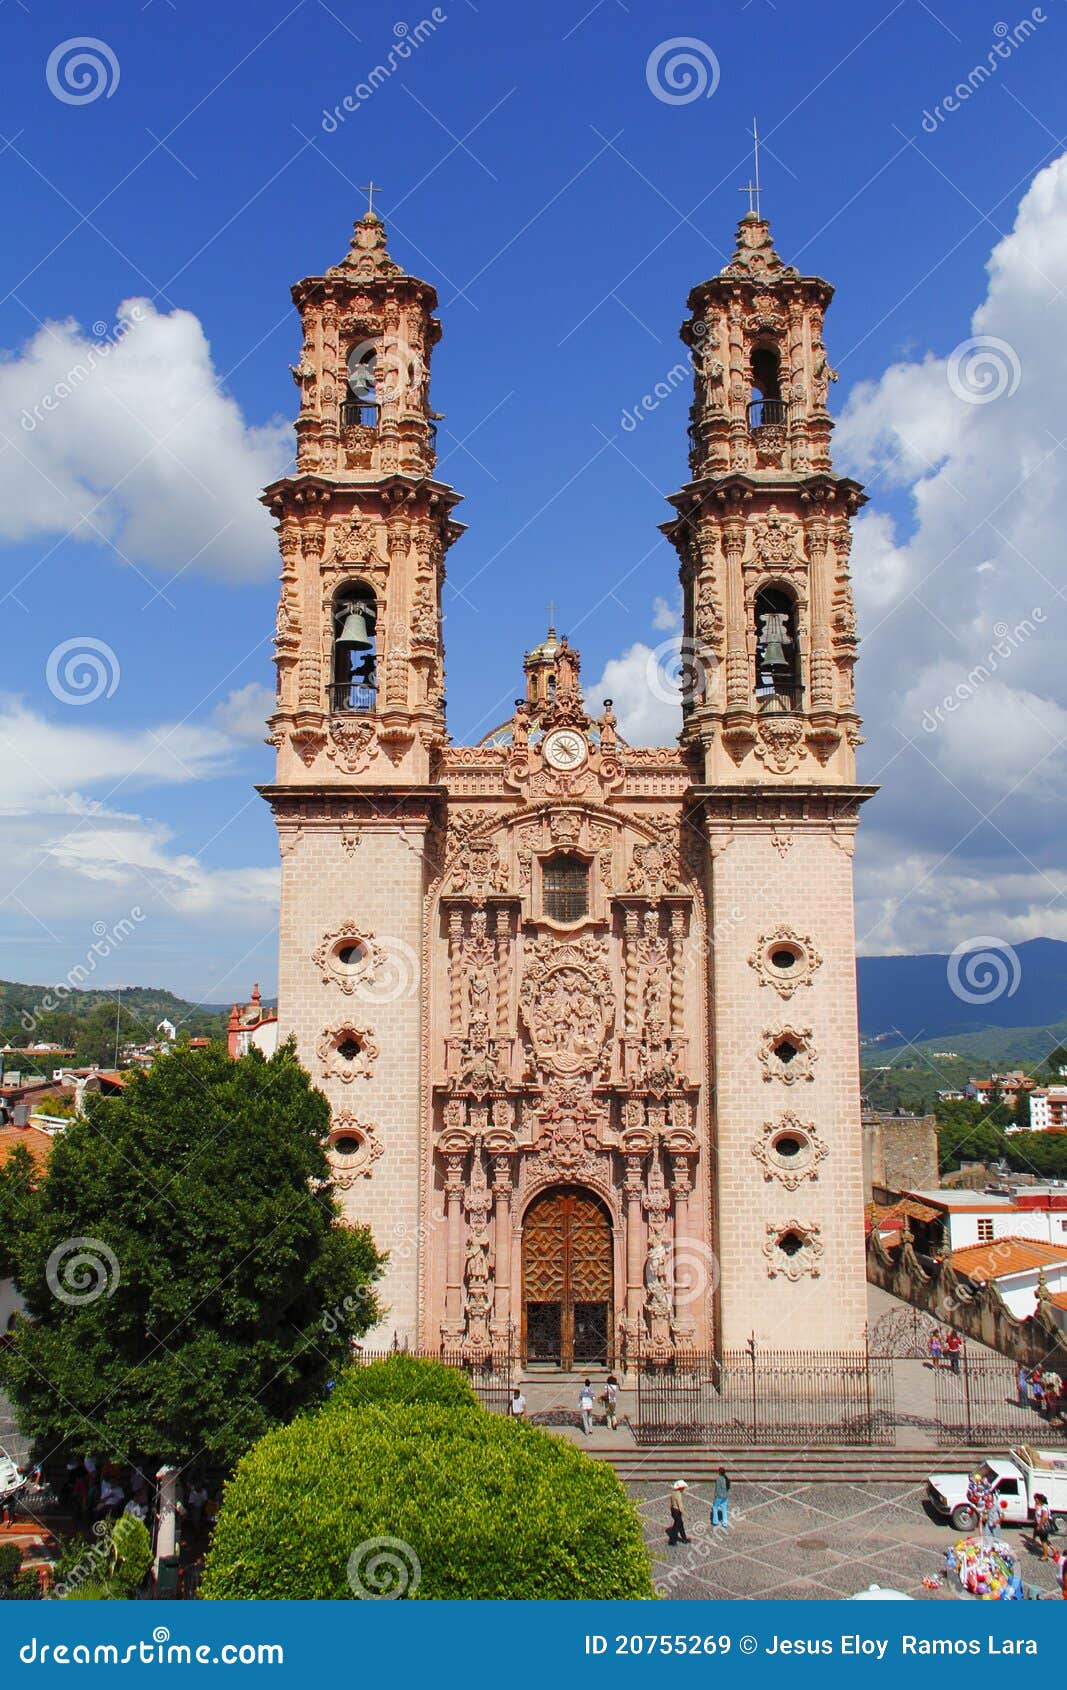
(766, 405)
(354, 681)
(778, 680)
(359, 407)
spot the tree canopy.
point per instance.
(188, 1282)
(392, 1497)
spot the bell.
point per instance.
(355, 631)
(775, 639)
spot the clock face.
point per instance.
(564, 749)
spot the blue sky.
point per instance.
(563, 211)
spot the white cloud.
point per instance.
(638, 683)
(961, 670)
(961, 673)
(75, 863)
(667, 616)
(129, 438)
(243, 714)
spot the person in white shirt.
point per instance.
(517, 1405)
(585, 1406)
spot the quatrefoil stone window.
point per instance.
(348, 1051)
(793, 1250)
(787, 1054)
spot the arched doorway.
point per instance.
(567, 1280)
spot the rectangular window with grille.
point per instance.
(985, 1232)
(565, 888)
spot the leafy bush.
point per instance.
(402, 1379)
(468, 1505)
(111, 1570)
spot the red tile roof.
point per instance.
(38, 1144)
(982, 1262)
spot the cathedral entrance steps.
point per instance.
(856, 1465)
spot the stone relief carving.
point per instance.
(352, 744)
(780, 743)
(568, 1004)
(654, 865)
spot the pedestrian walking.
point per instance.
(993, 1517)
(1022, 1385)
(585, 1407)
(1037, 1390)
(610, 1400)
(720, 1506)
(1042, 1525)
(953, 1346)
(517, 1405)
(676, 1532)
(935, 1350)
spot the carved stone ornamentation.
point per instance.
(352, 745)
(348, 1051)
(793, 1250)
(654, 865)
(568, 1004)
(353, 1149)
(787, 1054)
(569, 1127)
(473, 863)
(780, 743)
(776, 541)
(785, 960)
(478, 1070)
(790, 1150)
(348, 957)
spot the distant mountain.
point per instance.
(943, 998)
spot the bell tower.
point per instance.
(359, 721)
(363, 528)
(770, 726)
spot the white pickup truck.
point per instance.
(1013, 1482)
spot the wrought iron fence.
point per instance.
(979, 1402)
(491, 1377)
(774, 1397)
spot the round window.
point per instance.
(350, 953)
(347, 1145)
(788, 1146)
(784, 958)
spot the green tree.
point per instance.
(18, 1176)
(189, 1282)
(112, 1569)
(427, 1502)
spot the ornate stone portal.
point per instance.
(583, 1011)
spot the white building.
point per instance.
(1014, 1266)
(984, 1217)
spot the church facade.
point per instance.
(584, 1011)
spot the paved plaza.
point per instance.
(809, 1542)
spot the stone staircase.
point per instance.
(768, 1464)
